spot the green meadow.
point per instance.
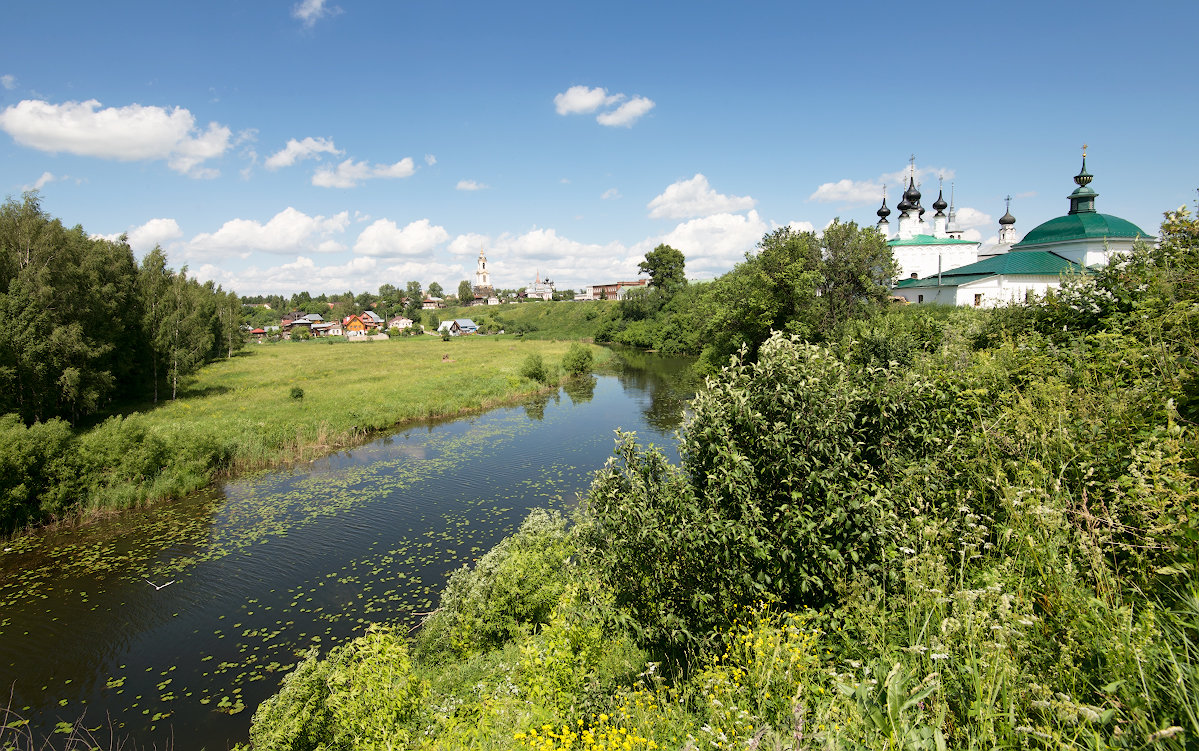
(272, 404)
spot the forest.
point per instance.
(87, 330)
(930, 529)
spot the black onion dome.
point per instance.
(883, 211)
(940, 204)
(912, 194)
(1007, 218)
(903, 205)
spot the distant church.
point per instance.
(484, 292)
(942, 268)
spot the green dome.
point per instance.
(1083, 226)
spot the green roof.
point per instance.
(1013, 263)
(1081, 226)
(930, 240)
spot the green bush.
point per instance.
(577, 360)
(39, 472)
(513, 587)
(364, 695)
(534, 369)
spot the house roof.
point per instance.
(465, 323)
(314, 317)
(372, 315)
(1014, 263)
(930, 240)
(1080, 226)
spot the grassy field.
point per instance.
(348, 389)
(540, 320)
(249, 412)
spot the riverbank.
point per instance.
(272, 405)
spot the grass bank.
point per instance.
(274, 404)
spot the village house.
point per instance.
(614, 291)
(459, 326)
(399, 322)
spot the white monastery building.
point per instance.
(941, 268)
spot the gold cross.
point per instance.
(1084, 151)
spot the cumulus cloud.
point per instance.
(626, 114)
(611, 194)
(581, 100)
(695, 197)
(471, 185)
(384, 238)
(289, 231)
(968, 217)
(295, 151)
(430, 159)
(848, 192)
(8, 81)
(130, 133)
(154, 232)
(857, 192)
(714, 244)
(349, 173)
(308, 12)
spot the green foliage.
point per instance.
(578, 359)
(364, 695)
(534, 368)
(665, 267)
(295, 392)
(511, 589)
(466, 293)
(38, 471)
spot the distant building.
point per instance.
(1071, 244)
(541, 289)
(613, 291)
(459, 326)
(484, 293)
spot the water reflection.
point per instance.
(669, 383)
(581, 389)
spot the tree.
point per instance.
(416, 299)
(857, 268)
(154, 279)
(435, 290)
(665, 267)
(466, 295)
(188, 333)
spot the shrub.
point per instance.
(296, 393)
(534, 369)
(577, 360)
(39, 476)
(514, 586)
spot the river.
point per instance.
(168, 626)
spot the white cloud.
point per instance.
(154, 232)
(579, 100)
(8, 81)
(857, 192)
(130, 133)
(295, 150)
(694, 197)
(384, 238)
(714, 244)
(430, 159)
(309, 12)
(626, 114)
(848, 191)
(968, 218)
(471, 185)
(289, 231)
(43, 181)
(349, 173)
(611, 194)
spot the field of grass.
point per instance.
(270, 405)
(540, 320)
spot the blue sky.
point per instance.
(342, 144)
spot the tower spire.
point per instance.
(1082, 200)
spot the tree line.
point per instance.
(87, 327)
(800, 283)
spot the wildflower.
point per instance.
(939, 656)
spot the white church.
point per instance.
(938, 266)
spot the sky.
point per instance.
(333, 145)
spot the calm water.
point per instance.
(172, 624)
